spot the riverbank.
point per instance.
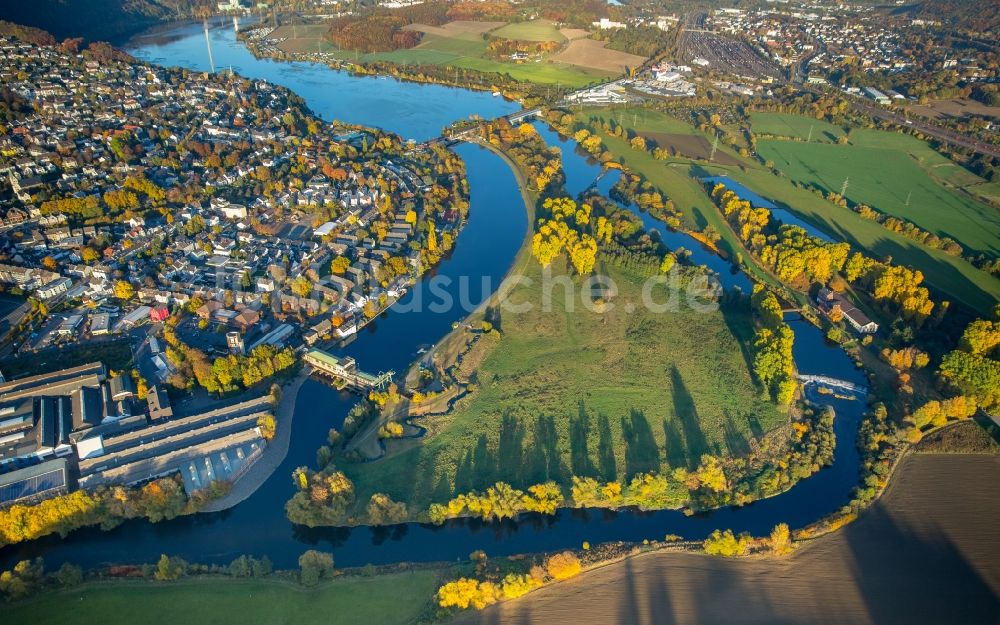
(274, 453)
(934, 529)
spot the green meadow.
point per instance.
(895, 174)
(603, 394)
(795, 126)
(394, 599)
(534, 30)
(468, 51)
(955, 278)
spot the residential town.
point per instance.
(836, 43)
(190, 221)
(726, 306)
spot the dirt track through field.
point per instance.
(928, 552)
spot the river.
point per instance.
(485, 248)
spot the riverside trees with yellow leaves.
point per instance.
(465, 593)
(973, 368)
(726, 544)
(158, 500)
(772, 362)
(799, 259)
(570, 228)
(795, 256)
(500, 501)
(541, 164)
(563, 565)
(468, 592)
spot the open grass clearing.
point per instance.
(642, 120)
(583, 393)
(544, 72)
(795, 126)
(894, 176)
(392, 599)
(456, 44)
(468, 52)
(534, 30)
(456, 28)
(691, 146)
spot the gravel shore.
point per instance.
(273, 454)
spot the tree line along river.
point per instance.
(483, 254)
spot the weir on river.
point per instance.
(834, 382)
(486, 249)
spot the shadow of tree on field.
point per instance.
(676, 454)
(891, 558)
(642, 454)
(736, 442)
(608, 467)
(687, 414)
(579, 432)
(543, 462)
(510, 450)
(737, 317)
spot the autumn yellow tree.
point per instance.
(725, 543)
(465, 593)
(124, 290)
(563, 565)
(781, 539)
(340, 264)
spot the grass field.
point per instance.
(888, 173)
(583, 393)
(677, 178)
(795, 126)
(643, 120)
(955, 278)
(467, 51)
(535, 30)
(394, 599)
(460, 44)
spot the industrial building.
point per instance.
(40, 414)
(79, 428)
